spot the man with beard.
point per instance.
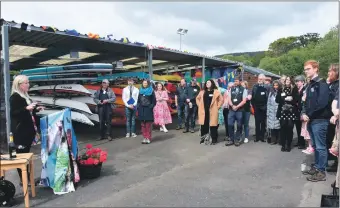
(191, 106)
(259, 98)
(236, 99)
(180, 99)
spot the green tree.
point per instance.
(282, 46)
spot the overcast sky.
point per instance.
(214, 28)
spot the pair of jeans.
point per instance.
(287, 127)
(225, 116)
(181, 113)
(260, 121)
(105, 121)
(130, 120)
(146, 129)
(246, 117)
(317, 131)
(232, 117)
(190, 116)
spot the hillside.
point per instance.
(254, 53)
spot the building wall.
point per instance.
(252, 79)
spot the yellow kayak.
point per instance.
(157, 77)
(172, 77)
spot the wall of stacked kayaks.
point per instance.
(73, 86)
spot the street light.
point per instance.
(181, 32)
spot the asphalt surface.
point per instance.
(175, 170)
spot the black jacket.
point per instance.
(281, 101)
(192, 92)
(317, 105)
(145, 112)
(22, 125)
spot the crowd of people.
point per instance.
(310, 104)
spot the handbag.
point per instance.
(330, 200)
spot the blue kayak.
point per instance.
(94, 67)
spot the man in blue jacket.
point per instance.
(317, 112)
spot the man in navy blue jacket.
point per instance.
(317, 112)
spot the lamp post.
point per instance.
(181, 32)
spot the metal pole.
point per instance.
(5, 52)
(203, 72)
(180, 42)
(150, 64)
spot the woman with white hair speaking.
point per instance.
(22, 112)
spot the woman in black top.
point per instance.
(146, 103)
(287, 98)
(22, 112)
(209, 101)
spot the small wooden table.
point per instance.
(21, 162)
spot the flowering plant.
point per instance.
(92, 156)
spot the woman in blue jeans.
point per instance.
(246, 113)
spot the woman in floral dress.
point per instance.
(161, 111)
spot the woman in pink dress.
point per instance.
(161, 111)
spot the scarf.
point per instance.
(146, 91)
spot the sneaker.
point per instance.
(311, 171)
(237, 143)
(147, 141)
(246, 140)
(161, 129)
(186, 130)
(144, 141)
(127, 135)
(318, 176)
(192, 130)
(133, 135)
(308, 151)
(109, 138)
(179, 127)
(166, 131)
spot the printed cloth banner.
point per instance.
(59, 151)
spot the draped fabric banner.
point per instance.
(59, 150)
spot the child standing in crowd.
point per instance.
(273, 123)
(287, 98)
(146, 103)
(304, 131)
(161, 110)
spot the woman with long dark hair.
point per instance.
(209, 101)
(146, 103)
(273, 123)
(287, 98)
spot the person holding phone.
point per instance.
(22, 112)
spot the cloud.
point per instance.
(214, 28)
